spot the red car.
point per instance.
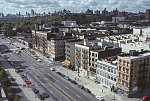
(45, 95)
(27, 82)
(145, 98)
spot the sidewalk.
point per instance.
(27, 91)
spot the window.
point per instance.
(115, 79)
(92, 54)
(124, 63)
(127, 64)
(108, 77)
(122, 82)
(123, 76)
(126, 84)
(115, 71)
(123, 69)
(119, 74)
(111, 78)
(127, 71)
(126, 77)
(108, 69)
(120, 61)
(111, 70)
(119, 68)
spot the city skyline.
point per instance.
(23, 6)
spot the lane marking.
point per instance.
(67, 87)
(53, 85)
(79, 96)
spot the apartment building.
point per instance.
(133, 72)
(107, 72)
(101, 53)
(70, 52)
(82, 54)
(40, 42)
(57, 48)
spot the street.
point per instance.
(42, 77)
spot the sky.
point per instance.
(40, 6)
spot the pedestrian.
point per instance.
(102, 91)
(75, 79)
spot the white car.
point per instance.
(100, 98)
(52, 69)
(39, 60)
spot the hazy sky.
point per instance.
(40, 6)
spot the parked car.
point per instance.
(41, 97)
(27, 82)
(35, 90)
(145, 98)
(98, 82)
(74, 82)
(80, 86)
(25, 78)
(58, 73)
(66, 77)
(100, 98)
(23, 48)
(52, 69)
(45, 95)
(87, 90)
(39, 60)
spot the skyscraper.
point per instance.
(148, 14)
(32, 13)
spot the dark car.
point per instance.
(45, 95)
(74, 82)
(58, 73)
(80, 86)
(23, 48)
(98, 82)
(41, 97)
(87, 90)
(35, 90)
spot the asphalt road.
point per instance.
(43, 78)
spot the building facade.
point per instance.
(148, 14)
(133, 72)
(70, 52)
(100, 54)
(107, 73)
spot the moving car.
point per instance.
(45, 95)
(100, 98)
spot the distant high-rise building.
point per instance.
(97, 12)
(1, 15)
(148, 14)
(89, 11)
(32, 13)
(105, 12)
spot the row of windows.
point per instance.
(109, 69)
(106, 75)
(123, 83)
(125, 70)
(123, 76)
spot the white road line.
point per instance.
(67, 87)
(78, 96)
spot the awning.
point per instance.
(67, 62)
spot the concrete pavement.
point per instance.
(27, 91)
